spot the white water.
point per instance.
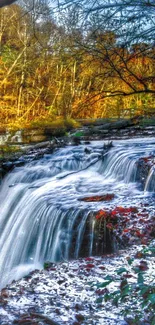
(150, 182)
(41, 215)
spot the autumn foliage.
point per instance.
(129, 224)
(98, 198)
(49, 70)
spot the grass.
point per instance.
(7, 150)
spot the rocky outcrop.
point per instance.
(144, 167)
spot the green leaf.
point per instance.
(152, 250)
(130, 260)
(108, 296)
(115, 300)
(47, 265)
(78, 134)
(116, 292)
(144, 304)
(151, 297)
(153, 320)
(136, 269)
(121, 270)
(148, 250)
(126, 290)
(144, 289)
(103, 284)
(99, 300)
(140, 278)
(109, 278)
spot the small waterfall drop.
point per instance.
(150, 181)
(42, 216)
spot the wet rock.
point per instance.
(87, 151)
(59, 132)
(144, 166)
(7, 165)
(79, 317)
(76, 141)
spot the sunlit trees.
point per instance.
(18, 50)
(130, 59)
(56, 64)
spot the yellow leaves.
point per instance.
(9, 98)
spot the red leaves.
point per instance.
(114, 214)
(101, 267)
(98, 198)
(128, 276)
(147, 159)
(102, 214)
(109, 226)
(143, 266)
(130, 224)
(124, 211)
(90, 266)
(89, 259)
(139, 255)
(126, 230)
(139, 234)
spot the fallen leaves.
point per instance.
(98, 198)
(128, 224)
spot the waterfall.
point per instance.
(42, 217)
(150, 181)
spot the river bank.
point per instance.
(20, 147)
(104, 290)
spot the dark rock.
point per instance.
(80, 317)
(87, 150)
(76, 141)
(143, 167)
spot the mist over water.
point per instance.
(42, 217)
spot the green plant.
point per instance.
(135, 291)
(8, 149)
(78, 134)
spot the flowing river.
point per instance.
(42, 215)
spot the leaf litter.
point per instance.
(78, 292)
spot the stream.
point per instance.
(43, 217)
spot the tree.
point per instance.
(77, 59)
(126, 61)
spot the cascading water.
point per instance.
(150, 182)
(42, 217)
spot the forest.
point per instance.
(75, 61)
(77, 162)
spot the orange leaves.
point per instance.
(102, 214)
(98, 198)
(129, 224)
(113, 214)
(124, 211)
(126, 230)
